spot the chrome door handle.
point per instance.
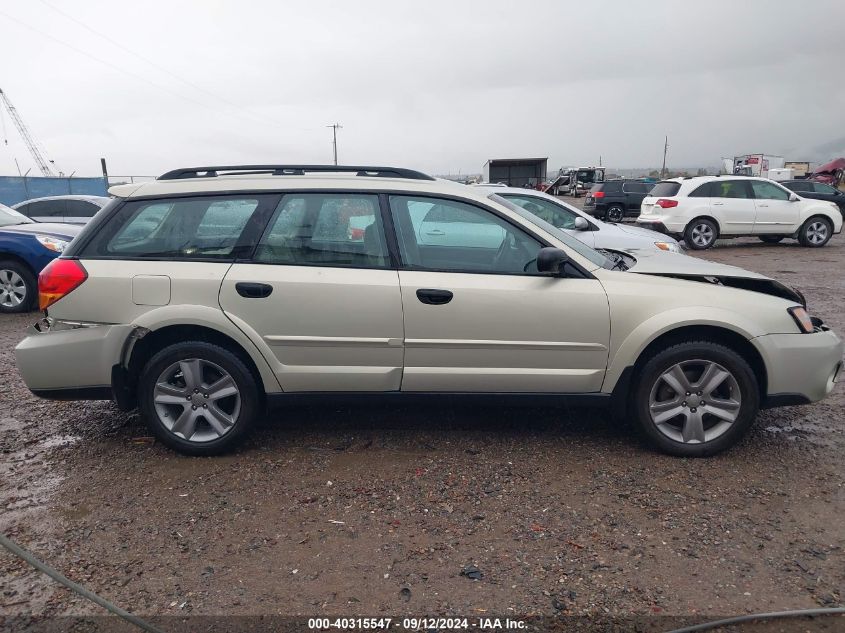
(436, 232)
(718, 204)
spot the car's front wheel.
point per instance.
(18, 287)
(615, 213)
(695, 399)
(198, 398)
(701, 234)
(815, 232)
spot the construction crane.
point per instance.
(42, 163)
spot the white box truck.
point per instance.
(757, 164)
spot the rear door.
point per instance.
(322, 293)
(775, 212)
(481, 319)
(732, 204)
(634, 194)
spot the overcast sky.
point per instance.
(435, 85)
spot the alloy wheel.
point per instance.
(197, 400)
(694, 401)
(817, 232)
(12, 289)
(702, 234)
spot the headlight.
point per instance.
(672, 247)
(802, 319)
(52, 243)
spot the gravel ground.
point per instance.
(376, 510)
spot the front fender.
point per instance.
(625, 352)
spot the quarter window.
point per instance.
(81, 209)
(767, 191)
(448, 235)
(704, 191)
(326, 230)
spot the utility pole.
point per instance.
(335, 128)
(665, 149)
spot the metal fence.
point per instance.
(14, 189)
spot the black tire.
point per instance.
(615, 213)
(810, 232)
(250, 397)
(771, 239)
(9, 270)
(693, 352)
(696, 232)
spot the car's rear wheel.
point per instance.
(771, 239)
(198, 398)
(18, 287)
(815, 232)
(696, 399)
(701, 234)
(615, 213)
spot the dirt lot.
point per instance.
(375, 511)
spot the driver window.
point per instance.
(447, 235)
(767, 191)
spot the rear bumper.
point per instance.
(654, 226)
(71, 361)
(801, 368)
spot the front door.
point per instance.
(321, 293)
(478, 317)
(775, 212)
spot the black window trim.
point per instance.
(91, 229)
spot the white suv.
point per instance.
(705, 208)
(210, 293)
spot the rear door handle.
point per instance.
(434, 297)
(718, 204)
(252, 290)
(436, 232)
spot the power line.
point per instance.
(135, 75)
(155, 65)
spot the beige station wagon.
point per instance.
(209, 293)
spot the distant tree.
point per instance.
(701, 172)
(654, 173)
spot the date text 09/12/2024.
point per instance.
(415, 624)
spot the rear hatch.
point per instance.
(594, 192)
(665, 189)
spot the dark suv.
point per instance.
(817, 191)
(612, 200)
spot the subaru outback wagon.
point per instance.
(210, 293)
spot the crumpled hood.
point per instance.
(54, 229)
(666, 264)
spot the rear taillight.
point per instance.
(59, 278)
(664, 203)
(598, 194)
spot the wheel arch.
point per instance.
(14, 257)
(141, 346)
(704, 216)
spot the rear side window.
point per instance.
(47, 209)
(339, 230)
(181, 228)
(81, 209)
(665, 189)
(634, 187)
(730, 189)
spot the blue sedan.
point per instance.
(25, 248)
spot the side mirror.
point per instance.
(581, 224)
(793, 197)
(551, 260)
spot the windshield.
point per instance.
(10, 217)
(576, 245)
